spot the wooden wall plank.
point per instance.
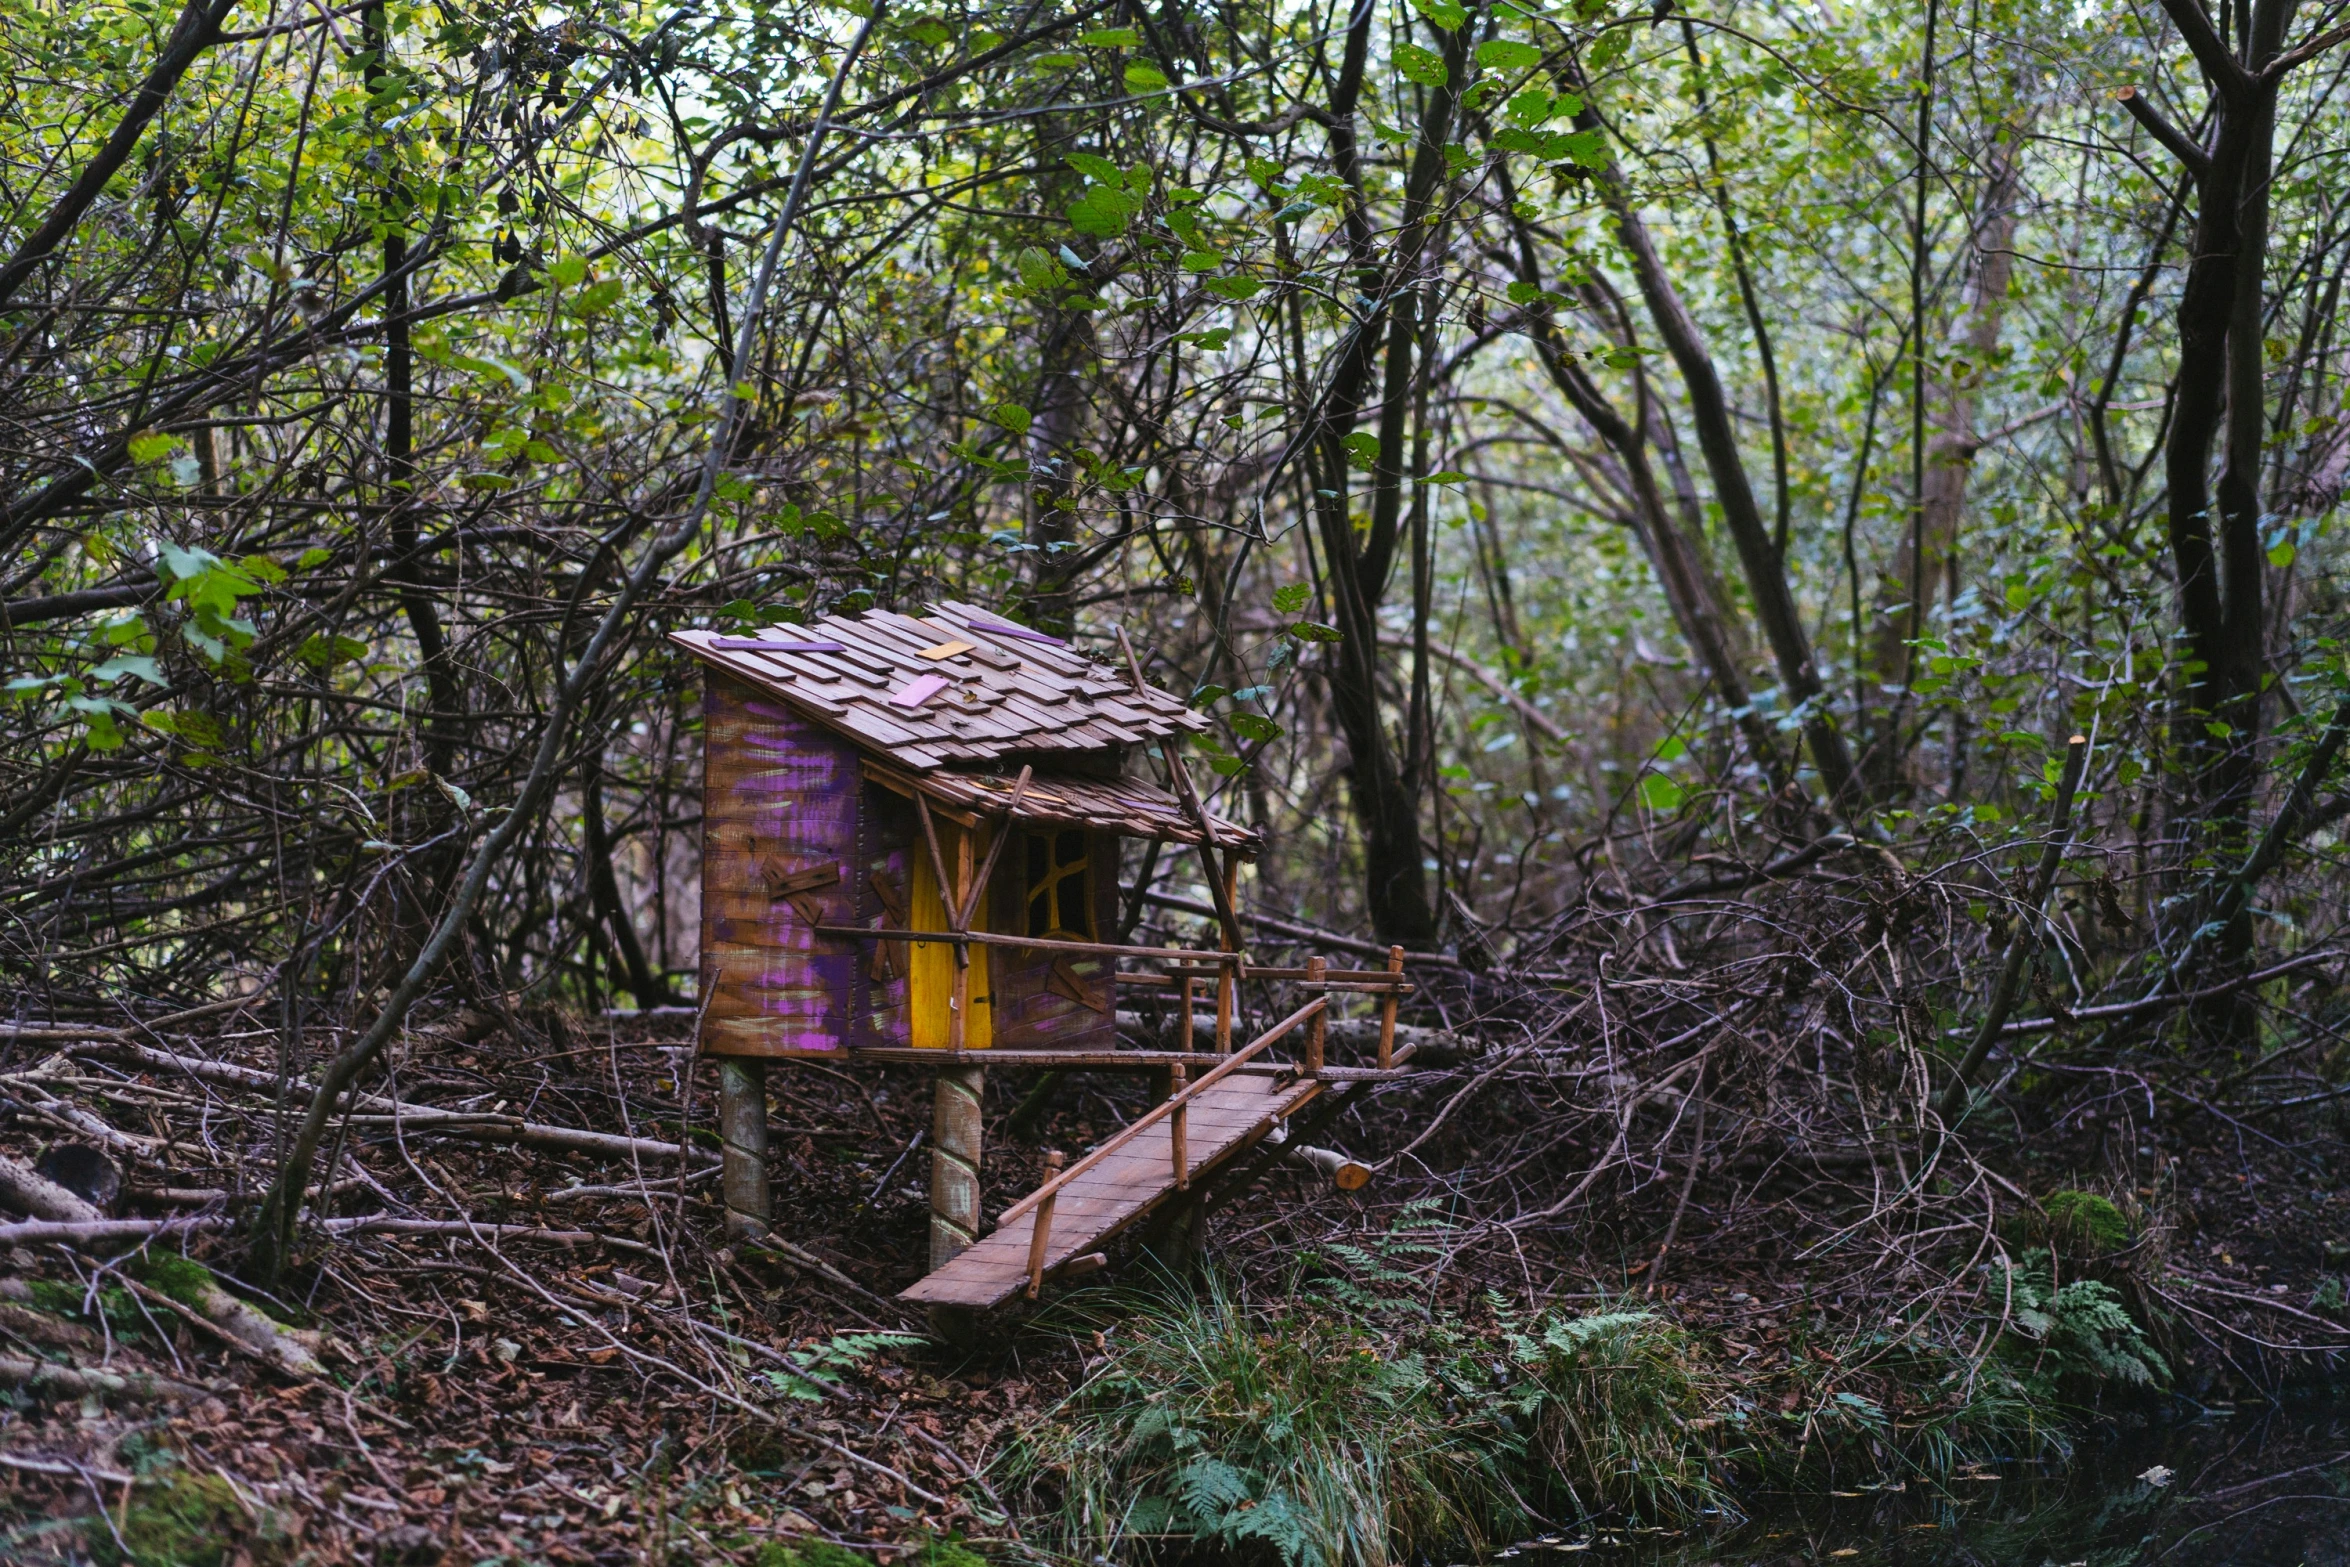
(779, 799)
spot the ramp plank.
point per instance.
(1117, 1193)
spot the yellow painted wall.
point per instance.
(933, 963)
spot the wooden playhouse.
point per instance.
(912, 841)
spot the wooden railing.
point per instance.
(1174, 1105)
(1228, 968)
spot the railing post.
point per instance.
(1176, 1129)
(1228, 974)
(1040, 1234)
(1387, 1010)
(1317, 1026)
(1184, 1014)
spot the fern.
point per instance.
(811, 1370)
(2082, 1330)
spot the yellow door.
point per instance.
(932, 967)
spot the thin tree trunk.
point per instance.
(1766, 573)
(1949, 454)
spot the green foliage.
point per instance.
(2078, 1334)
(1611, 1398)
(1289, 1430)
(814, 1368)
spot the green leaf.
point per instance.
(2282, 553)
(313, 557)
(1255, 726)
(1448, 476)
(1362, 450)
(1012, 417)
(152, 446)
(1523, 293)
(1424, 66)
(1445, 14)
(1096, 167)
(1315, 631)
(1056, 62)
(1672, 748)
(1291, 597)
(1660, 793)
(1211, 340)
(1142, 76)
(1532, 106)
(325, 652)
(1201, 261)
(570, 270)
(1235, 288)
(138, 664)
(1503, 54)
(1227, 766)
(1110, 38)
(1103, 212)
(1588, 148)
(597, 299)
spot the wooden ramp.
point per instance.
(1225, 1117)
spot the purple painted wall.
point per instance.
(780, 798)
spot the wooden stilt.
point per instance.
(1317, 1027)
(742, 1134)
(954, 1164)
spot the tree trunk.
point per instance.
(1766, 573)
(1928, 560)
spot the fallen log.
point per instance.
(41, 1376)
(376, 1110)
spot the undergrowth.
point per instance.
(1350, 1425)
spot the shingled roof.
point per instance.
(955, 684)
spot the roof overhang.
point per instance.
(1130, 807)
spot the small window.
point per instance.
(1059, 901)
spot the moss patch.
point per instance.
(811, 1553)
(182, 1278)
(2086, 1223)
(182, 1520)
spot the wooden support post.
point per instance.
(1183, 1013)
(1177, 1129)
(959, 1013)
(1040, 1235)
(1318, 1026)
(742, 1137)
(1387, 1012)
(954, 1164)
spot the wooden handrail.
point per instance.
(1166, 1107)
(988, 938)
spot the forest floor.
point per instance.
(607, 1381)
